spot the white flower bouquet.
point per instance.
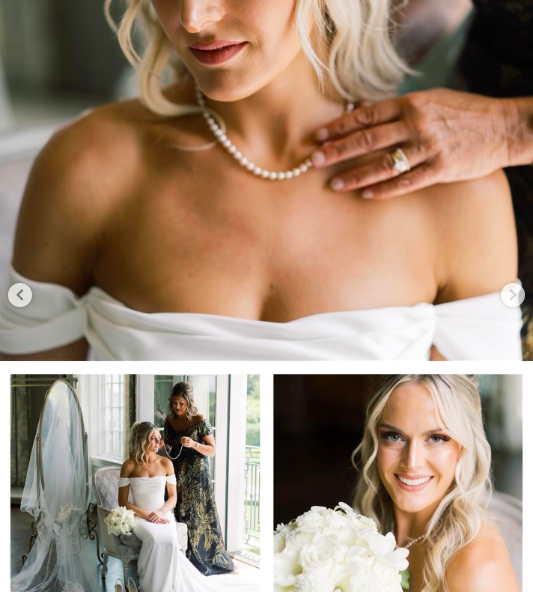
(336, 550)
(120, 521)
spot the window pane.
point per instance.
(108, 443)
(107, 391)
(117, 399)
(112, 415)
(116, 443)
(117, 416)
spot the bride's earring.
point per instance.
(119, 586)
(132, 586)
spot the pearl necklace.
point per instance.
(226, 143)
(414, 542)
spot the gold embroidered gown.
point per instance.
(196, 502)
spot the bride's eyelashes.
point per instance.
(396, 438)
(390, 437)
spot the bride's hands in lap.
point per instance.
(157, 518)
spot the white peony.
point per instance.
(330, 550)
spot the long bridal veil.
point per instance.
(56, 494)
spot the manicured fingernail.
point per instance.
(318, 158)
(337, 184)
(367, 194)
(322, 134)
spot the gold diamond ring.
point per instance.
(401, 163)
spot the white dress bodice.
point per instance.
(480, 328)
(148, 492)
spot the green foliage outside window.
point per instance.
(253, 412)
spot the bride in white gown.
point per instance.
(162, 567)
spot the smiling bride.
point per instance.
(192, 224)
(426, 467)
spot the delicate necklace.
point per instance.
(406, 574)
(221, 137)
(414, 542)
(167, 453)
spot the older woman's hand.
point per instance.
(188, 442)
(446, 135)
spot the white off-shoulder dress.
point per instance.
(161, 566)
(480, 328)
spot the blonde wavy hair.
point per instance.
(183, 389)
(459, 516)
(139, 438)
(355, 36)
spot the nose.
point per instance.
(197, 14)
(414, 455)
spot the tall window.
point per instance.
(111, 418)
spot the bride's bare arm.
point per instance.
(478, 247)
(123, 492)
(483, 565)
(69, 199)
(172, 500)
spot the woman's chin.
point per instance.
(411, 504)
(223, 94)
(226, 88)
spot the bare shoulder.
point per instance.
(167, 465)
(474, 225)
(127, 468)
(199, 417)
(484, 564)
(75, 181)
(105, 141)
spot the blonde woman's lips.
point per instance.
(217, 52)
(412, 482)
